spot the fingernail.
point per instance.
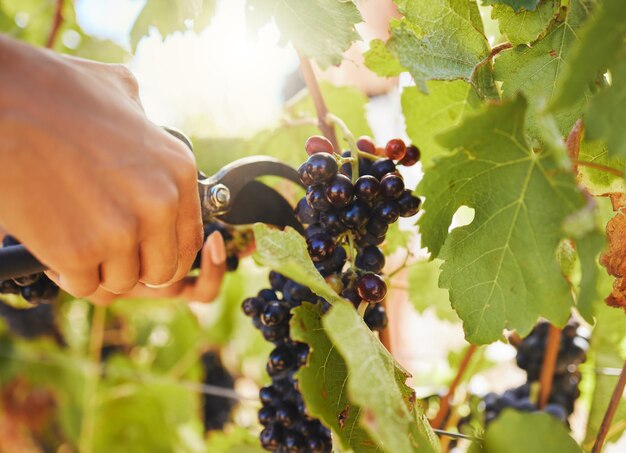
(217, 248)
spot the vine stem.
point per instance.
(349, 136)
(93, 379)
(548, 365)
(604, 168)
(445, 401)
(318, 100)
(610, 411)
(57, 21)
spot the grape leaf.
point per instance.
(524, 26)
(501, 268)
(534, 70)
(606, 351)
(421, 42)
(286, 252)
(427, 115)
(376, 384)
(519, 432)
(599, 182)
(322, 381)
(517, 5)
(606, 115)
(424, 292)
(170, 16)
(382, 60)
(237, 439)
(320, 29)
(601, 40)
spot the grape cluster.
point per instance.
(35, 288)
(216, 408)
(530, 352)
(346, 218)
(32, 322)
(236, 240)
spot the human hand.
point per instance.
(98, 193)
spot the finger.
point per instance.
(81, 283)
(102, 297)
(158, 253)
(189, 231)
(121, 273)
(212, 270)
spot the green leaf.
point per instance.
(601, 40)
(501, 268)
(286, 252)
(519, 432)
(380, 59)
(237, 440)
(427, 115)
(589, 247)
(606, 115)
(376, 384)
(607, 350)
(534, 70)
(322, 381)
(320, 29)
(422, 43)
(170, 16)
(599, 182)
(517, 5)
(525, 26)
(424, 292)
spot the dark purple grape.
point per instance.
(371, 259)
(364, 166)
(388, 211)
(367, 188)
(274, 334)
(294, 443)
(333, 264)
(281, 359)
(372, 288)
(339, 191)
(321, 167)
(409, 205)
(268, 394)
(377, 227)
(411, 157)
(320, 247)
(271, 437)
(314, 229)
(274, 313)
(381, 167)
(304, 175)
(302, 353)
(376, 317)
(232, 263)
(9, 287)
(305, 213)
(316, 197)
(355, 214)
(330, 221)
(252, 306)
(286, 414)
(267, 415)
(267, 295)
(392, 186)
(370, 239)
(295, 292)
(277, 281)
(352, 295)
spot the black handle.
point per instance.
(16, 261)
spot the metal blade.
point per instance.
(256, 202)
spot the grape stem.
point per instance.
(547, 367)
(349, 136)
(352, 255)
(444, 407)
(318, 100)
(57, 21)
(616, 397)
(362, 307)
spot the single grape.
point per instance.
(339, 191)
(281, 359)
(355, 214)
(330, 221)
(381, 167)
(267, 415)
(333, 264)
(277, 281)
(318, 144)
(371, 259)
(366, 144)
(295, 292)
(376, 317)
(286, 414)
(395, 149)
(321, 167)
(267, 295)
(367, 188)
(411, 157)
(252, 306)
(302, 353)
(320, 247)
(294, 442)
(377, 227)
(316, 197)
(372, 288)
(304, 175)
(392, 186)
(388, 211)
(268, 394)
(305, 213)
(409, 204)
(271, 437)
(274, 334)
(274, 313)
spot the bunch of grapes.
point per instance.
(235, 239)
(530, 352)
(346, 217)
(32, 322)
(35, 288)
(216, 408)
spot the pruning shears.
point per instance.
(233, 195)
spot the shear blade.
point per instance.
(256, 202)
